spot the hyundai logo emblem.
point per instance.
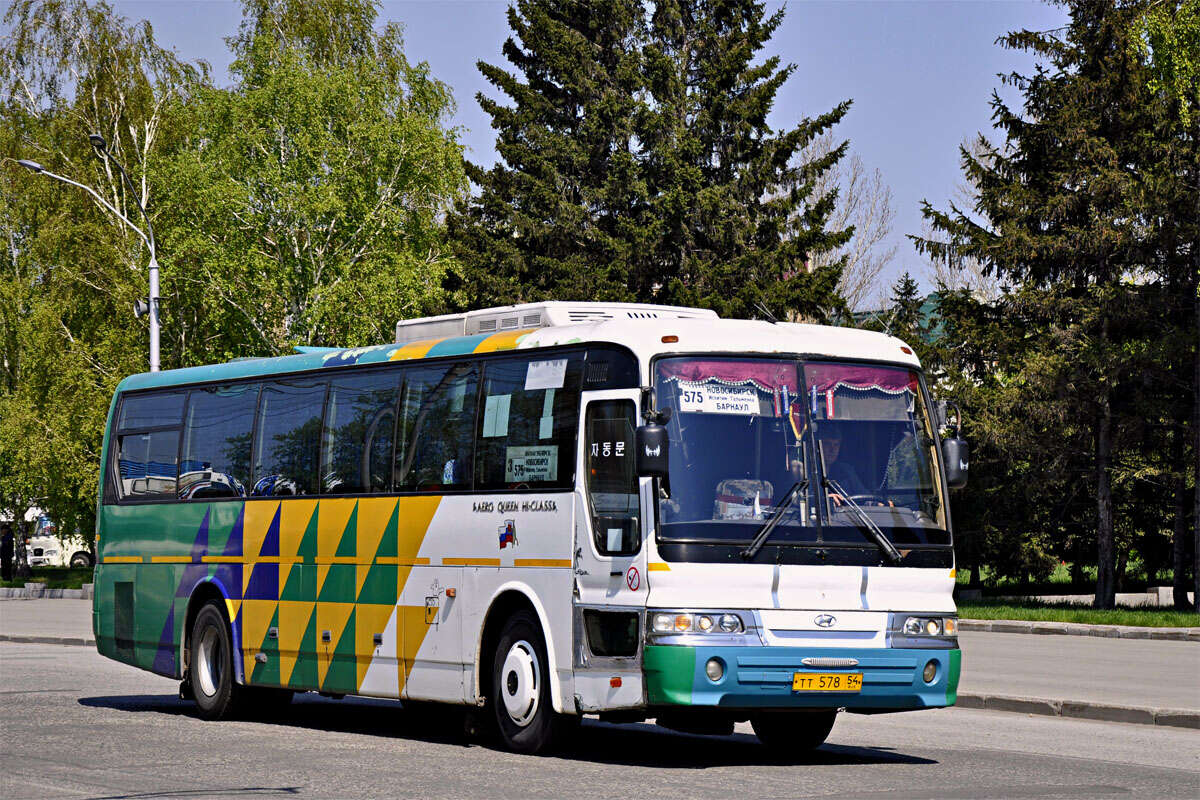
(825, 620)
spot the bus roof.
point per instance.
(643, 336)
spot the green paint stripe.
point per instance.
(670, 673)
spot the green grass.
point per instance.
(1065, 612)
(54, 578)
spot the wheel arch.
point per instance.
(206, 591)
(509, 598)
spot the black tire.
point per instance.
(81, 560)
(793, 732)
(210, 668)
(520, 695)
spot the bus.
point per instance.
(542, 512)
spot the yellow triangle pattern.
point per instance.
(293, 522)
(411, 630)
(256, 618)
(373, 516)
(254, 530)
(293, 621)
(331, 617)
(369, 619)
(333, 514)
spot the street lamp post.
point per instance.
(98, 143)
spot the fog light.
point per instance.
(930, 672)
(714, 669)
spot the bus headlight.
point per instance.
(705, 623)
(905, 630)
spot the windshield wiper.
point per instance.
(760, 538)
(867, 524)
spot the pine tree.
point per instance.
(556, 217)
(732, 211)
(637, 164)
(1058, 209)
(907, 319)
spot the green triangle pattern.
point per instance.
(304, 674)
(268, 674)
(343, 672)
(308, 545)
(339, 585)
(380, 585)
(389, 544)
(294, 590)
(348, 544)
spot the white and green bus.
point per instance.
(544, 511)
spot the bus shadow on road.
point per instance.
(634, 744)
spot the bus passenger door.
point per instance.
(610, 559)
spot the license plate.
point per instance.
(827, 681)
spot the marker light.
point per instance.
(670, 339)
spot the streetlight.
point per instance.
(99, 144)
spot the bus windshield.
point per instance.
(854, 442)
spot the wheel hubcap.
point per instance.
(209, 661)
(521, 679)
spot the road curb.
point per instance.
(72, 641)
(1078, 709)
(1079, 629)
(38, 591)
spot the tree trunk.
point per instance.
(1196, 442)
(21, 568)
(1179, 543)
(1105, 556)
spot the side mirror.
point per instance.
(652, 445)
(957, 459)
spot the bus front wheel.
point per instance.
(521, 688)
(210, 671)
(793, 731)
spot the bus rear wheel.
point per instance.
(210, 671)
(792, 732)
(520, 692)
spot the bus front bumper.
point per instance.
(762, 677)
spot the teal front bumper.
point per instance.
(761, 677)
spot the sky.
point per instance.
(920, 75)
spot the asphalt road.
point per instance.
(76, 725)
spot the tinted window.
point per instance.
(150, 410)
(527, 424)
(360, 423)
(216, 442)
(436, 426)
(146, 464)
(289, 430)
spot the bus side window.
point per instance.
(612, 480)
(527, 424)
(216, 442)
(287, 437)
(147, 445)
(435, 426)
(360, 424)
